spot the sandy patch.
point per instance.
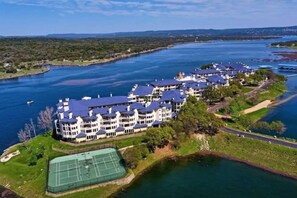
(257, 107)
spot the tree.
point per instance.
(206, 66)
(45, 118)
(158, 137)
(211, 94)
(133, 155)
(30, 128)
(278, 127)
(194, 117)
(23, 136)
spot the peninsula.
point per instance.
(193, 131)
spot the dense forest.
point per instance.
(18, 54)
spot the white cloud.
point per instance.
(204, 8)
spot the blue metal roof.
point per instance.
(109, 115)
(157, 122)
(206, 71)
(101, 132)
(81, 135)
(172, 95)
(120, 129)
(216, 79)
(90, 118)
(139, 126)
(153, 106)
(168, 82)
(143, 90)
(128, 112)
(196, 85)
(67, 120)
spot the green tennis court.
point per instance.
(84, 169)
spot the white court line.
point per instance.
(59, 175)
(114, 165)
(79, 172)
(56, 165)
(76, 169)
(95, 166)
(104, 164)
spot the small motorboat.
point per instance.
(30, 102)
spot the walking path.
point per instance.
(260, 137)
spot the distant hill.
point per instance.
(270, 31)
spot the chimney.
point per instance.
(110, 94)
(98, 96)
(128, 108)
(109, 110)
(90, 112)
(70, 115)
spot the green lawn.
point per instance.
(30, 181)
(246, 89)
(271, 156)
(257, 115)
(189, 146)
(275, 90)
(121, 143)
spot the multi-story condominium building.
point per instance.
(165, 85)
(145, 106)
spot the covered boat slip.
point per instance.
(84, 169)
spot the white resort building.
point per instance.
(145, 106)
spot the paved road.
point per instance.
(259, 137)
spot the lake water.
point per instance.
(210, 177)
(118, 78)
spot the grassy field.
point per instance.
(118, 143)
(239, 104)
(246, 89)
(257, 115)
(260, 153)
(272, 92)
(30, 181)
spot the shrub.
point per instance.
(33, 160)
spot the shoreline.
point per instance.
(158, 157)
(26, 75)
(99, 62)
(251, 164)
(103, 61)
(201, 153)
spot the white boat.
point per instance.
(30, 102)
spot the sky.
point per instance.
(41, 17)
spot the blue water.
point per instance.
(118, 78)
(209, 177)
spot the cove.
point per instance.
(208, 176)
